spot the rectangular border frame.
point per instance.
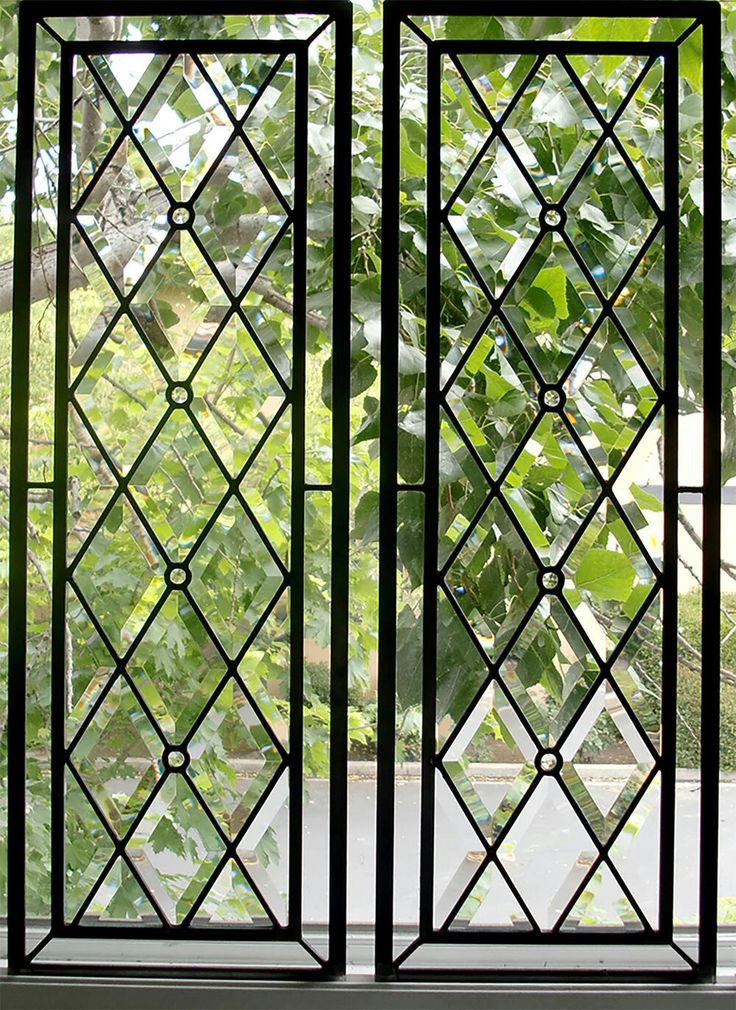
(31, 14)
(707, 14)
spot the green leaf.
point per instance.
(606, 575)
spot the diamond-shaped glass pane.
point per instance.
(234, 577)
(493, 397)
(118, 757)
(494, 579)
(175, 847)
(236, 395)
(609, 218)
(238, 216)
(122, 395)
(178, 485)
(606, 760)
(609, 397)
(550, 488)
(179, 305)
(120, 575)
(549, 670)
(496, 216)
(491, 761)
(547, 852)
(551, 306)
(552, 129)
(124, 216)
(176, 667)
(608, 578)
(232, 758)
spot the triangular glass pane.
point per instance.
(464, 128)
(463, 487)
(496, 77)
(607, 79)
(231, 899)
(128, 76)
(491, 905)
(180, 305)
(266, 486)
(120, 575)
(91, 484)
(637, 672)
(90, 664)
(266, 668)
(95, 127)
(607, 578)
(178, 485)
(602, 905)
(457, 852)
(464, 308)
(120, 898)
(460, 668)
(640, 308)
(185, 127)
(270, 128)
(238, 77)
(87, 850)
(236, 395)
(551, 306)
(124, 216)
(637, 487)
(636, 852)
(176, 667)
(494, 579)
(264, 849)
(91, 309)
(641, 129)
(268, 305)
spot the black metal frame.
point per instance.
(398, 13)
(337, 13)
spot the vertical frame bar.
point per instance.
(385, 791)
(340, 584)
(296, 688)
(712, 328)
(18, 514)
(670, 491)
(61, 427)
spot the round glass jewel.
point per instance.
(548, 762)
(180, 215)
(179, 394)
(552, 217)
(550, 580)
(552, 398)
(176, 759)
(178, 576)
